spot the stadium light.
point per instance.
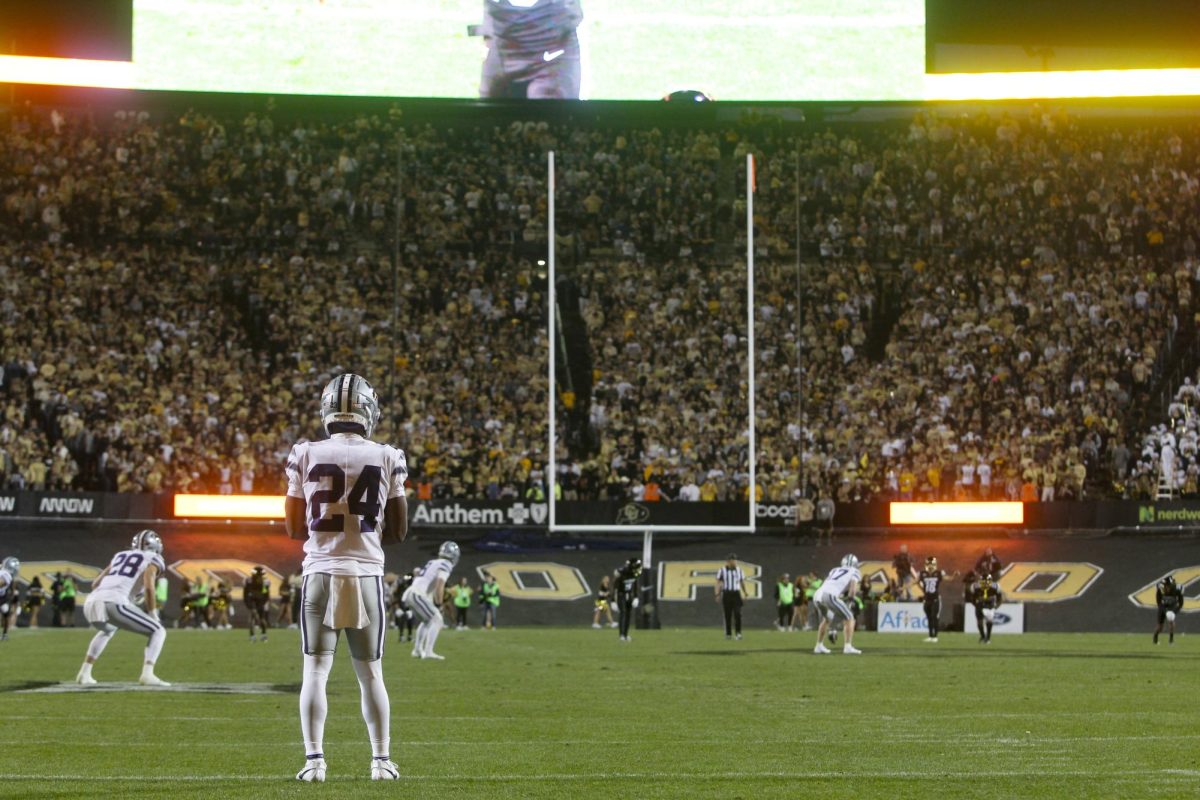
(957, 513)
(229, 506)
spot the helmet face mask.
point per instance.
(348, 398)
(147, 540)
(449, 551)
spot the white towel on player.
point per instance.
(345, 608)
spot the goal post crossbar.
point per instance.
(657, 528)
(552, 388)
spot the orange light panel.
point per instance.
(957, 513)
(67, 72)
(229, 506)
(1072, 83)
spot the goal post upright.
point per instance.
(647, 531)
(752, 489)
(551, 388)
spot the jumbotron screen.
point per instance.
(738, 50)
(589, 49)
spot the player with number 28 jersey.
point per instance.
(111, 605)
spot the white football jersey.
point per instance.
(839, 580)
(345, 482)
(124, 577)
(438, 568)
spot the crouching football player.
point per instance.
(109, 606)
(987, 597)
(1168, 595)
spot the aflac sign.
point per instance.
(901, 618)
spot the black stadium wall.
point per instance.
(1068, 583)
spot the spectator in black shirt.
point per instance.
(988, 564)
(905, 574)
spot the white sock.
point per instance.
(419, 639)
(86, 670)
(376, 709)
(313, 705)
(431, 635)
(154, 646)
(97, 645)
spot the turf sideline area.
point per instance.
(553, 712)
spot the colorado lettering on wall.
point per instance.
(1047, 581)
(536, 580)
(1188, 579)
(233, 571)
(82, 574)
(679, 580)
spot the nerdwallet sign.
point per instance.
(1169, 515)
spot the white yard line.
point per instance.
(590, 776)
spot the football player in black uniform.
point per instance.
(533, 49)
(403, 614)
(987, 598)
(627, 593)
(930, 580)
(1168, 595)
(256, 594)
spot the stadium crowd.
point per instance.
(984, 301)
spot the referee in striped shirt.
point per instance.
(729, 593)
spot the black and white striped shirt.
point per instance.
(731, 578)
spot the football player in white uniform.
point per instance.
(345, 498)
(110, 605)
(833, 600)
(424, 597)
(8, 584)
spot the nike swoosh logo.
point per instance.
(550, 55)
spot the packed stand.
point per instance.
(982, 302)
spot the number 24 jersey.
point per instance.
(345, 482)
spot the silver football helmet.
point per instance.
(850, 560)
(12, 565)
(349, 398)
(147, 540)
(449, 551)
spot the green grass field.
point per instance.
(557, 713)
(632, 49)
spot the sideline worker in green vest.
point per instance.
(784, 600)
(67, 601)
(200, 602)
(462, 601)
(489, 597)
(814, 583)
(160, 596)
